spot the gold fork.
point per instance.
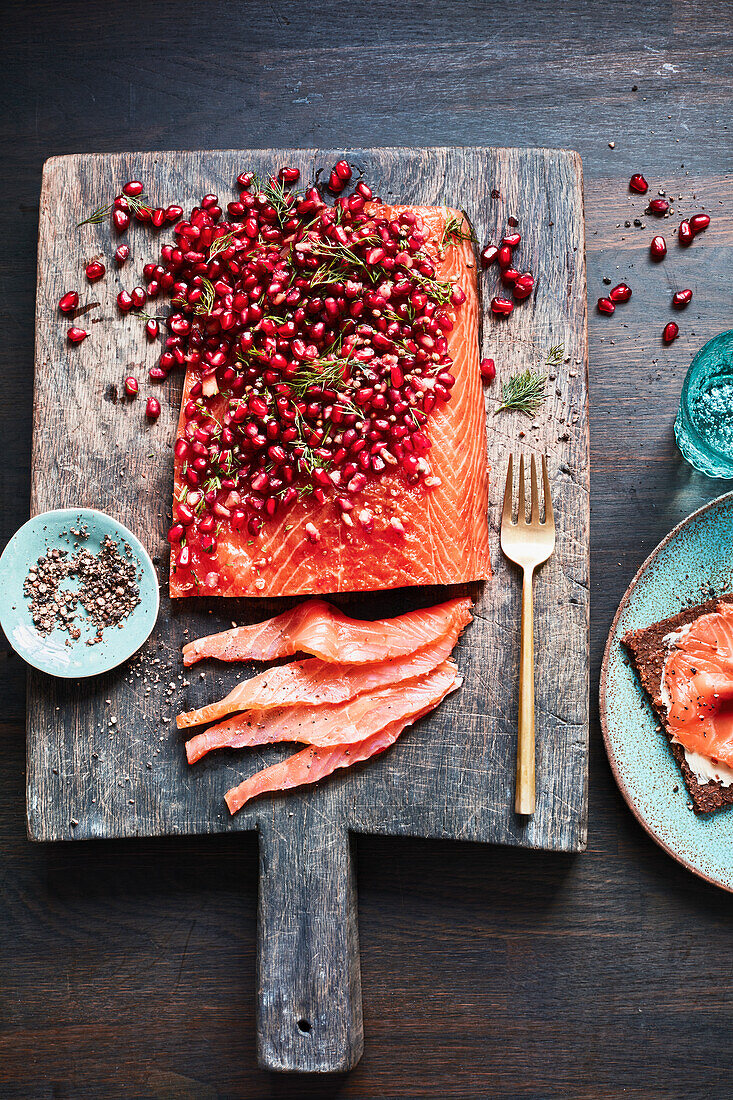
(528, 544)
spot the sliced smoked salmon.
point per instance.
(315, 682)
(332, 724)
(407, 525)
(312, 764)
(322, 630)
(697, 685)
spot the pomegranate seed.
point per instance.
(489, 254)
(122, 254)
(121, 220)
(509, 276)
(501, 306)
(488, 370)
(152, 329)
(511, 240)
(124, 301)
(176, 533)
(638, 183)
(658, 248)
(699, 223)
(605, 305)
(94, 271)
(523, 285)
(682, 299)
(184, 557)
(684, 233)
(504, 256)
(131, 386)
(158, 217)
(133, 188)
(671, 332)
(76, 335)
(288, 175)
(173, 213)
(152, 408)
(658, 207)
(69, 302)
(138, 297)
(620, 293)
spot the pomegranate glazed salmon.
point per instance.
(697, 685)
(319, 628)
(315, 682)
(302, 469)
(332, 724)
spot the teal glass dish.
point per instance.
(703, 427)
(55, 653)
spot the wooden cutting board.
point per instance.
(450, 776)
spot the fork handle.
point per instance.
(525, 794)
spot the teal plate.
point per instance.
(694, 562)
(50, 653)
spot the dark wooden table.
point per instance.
(127, 969)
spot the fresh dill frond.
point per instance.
(205, 303)
(455, 230)
(135, 204)
(219, 244)
(523, 392)
(555, 355)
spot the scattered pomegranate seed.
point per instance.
(158, 216)
(684, 233)
(152, 329)
(131, 386)
(605, 305)
(524, 285)
(671, 332)
(681, 299)
(133, 188)
(122, 254)
(95, 270)
(120, 220)
(289, 175)
(509, 276)
(173, 213)
(488, 370)
(504, 256)
(658, 248)
(501, 306)
(620, 293)
(489, 254)
(511, 240)
(699, 223)
(176, 533)
(638, 183)
(658, 207)
(124, 301)
(69, 302)
(152, 408)
(76, 335)
(138, 297)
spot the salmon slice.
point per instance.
(332, 724)
(322, 630)
(314, 682)
(697, 686)
(445, 538)
(312, 764)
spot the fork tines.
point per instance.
(507, 515)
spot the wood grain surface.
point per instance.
(128, 968)
(108, 761)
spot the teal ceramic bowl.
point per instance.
(703, 427)
(692, 563)
(49, 653)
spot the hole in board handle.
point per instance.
(304, 1027)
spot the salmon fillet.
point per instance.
(332, 724)
(445, 537)
(312, 764)
(314, 682)
(319, 628)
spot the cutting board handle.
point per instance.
(309, 1017)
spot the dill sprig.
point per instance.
(555, 355)
(523, 392)
(455, 230)
(277, 196)
(205, 303)
(219, 244)
(135, 203)
(325, 374)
